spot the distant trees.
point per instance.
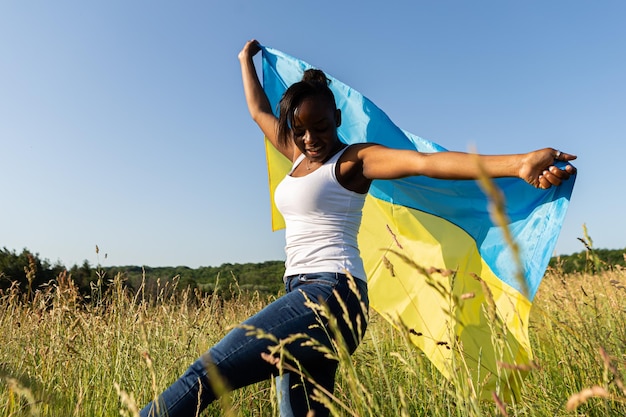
(26, 270)
(590, 261)
(265, 277)
(29, 272)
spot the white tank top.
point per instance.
(322, 220)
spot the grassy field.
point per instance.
(62, 357)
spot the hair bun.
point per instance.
(315, 76)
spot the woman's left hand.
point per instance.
(538, 168)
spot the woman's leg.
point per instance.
(294, 391)
(236, 359)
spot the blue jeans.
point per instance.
(237, 359)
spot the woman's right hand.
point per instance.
(256, 99)
(250, 49)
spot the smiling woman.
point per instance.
(309, 108)
(314, 130)
(322, 200)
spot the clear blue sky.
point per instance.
(123, 123)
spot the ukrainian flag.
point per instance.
(438, 266)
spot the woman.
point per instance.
(321, 200)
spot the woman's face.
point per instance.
(314, 128)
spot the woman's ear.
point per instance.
(338, 117)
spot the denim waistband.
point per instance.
(338, 275)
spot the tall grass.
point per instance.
(107, 356)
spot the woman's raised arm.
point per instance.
(256, 99)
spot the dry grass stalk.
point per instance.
(609, 365)
(499, 404)
(127, 401)
(581, 397)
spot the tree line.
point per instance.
(29, 272)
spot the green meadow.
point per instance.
(64, 355)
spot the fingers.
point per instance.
(250, 49)
(254, 46)
(562, 156)
(554, 176)
(570, 169)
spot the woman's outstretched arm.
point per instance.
(536, 168)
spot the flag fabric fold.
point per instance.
(437, 265)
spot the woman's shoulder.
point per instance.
(357, 148)
(349, 172)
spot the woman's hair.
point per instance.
(314, 82)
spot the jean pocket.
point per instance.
(330, 279)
